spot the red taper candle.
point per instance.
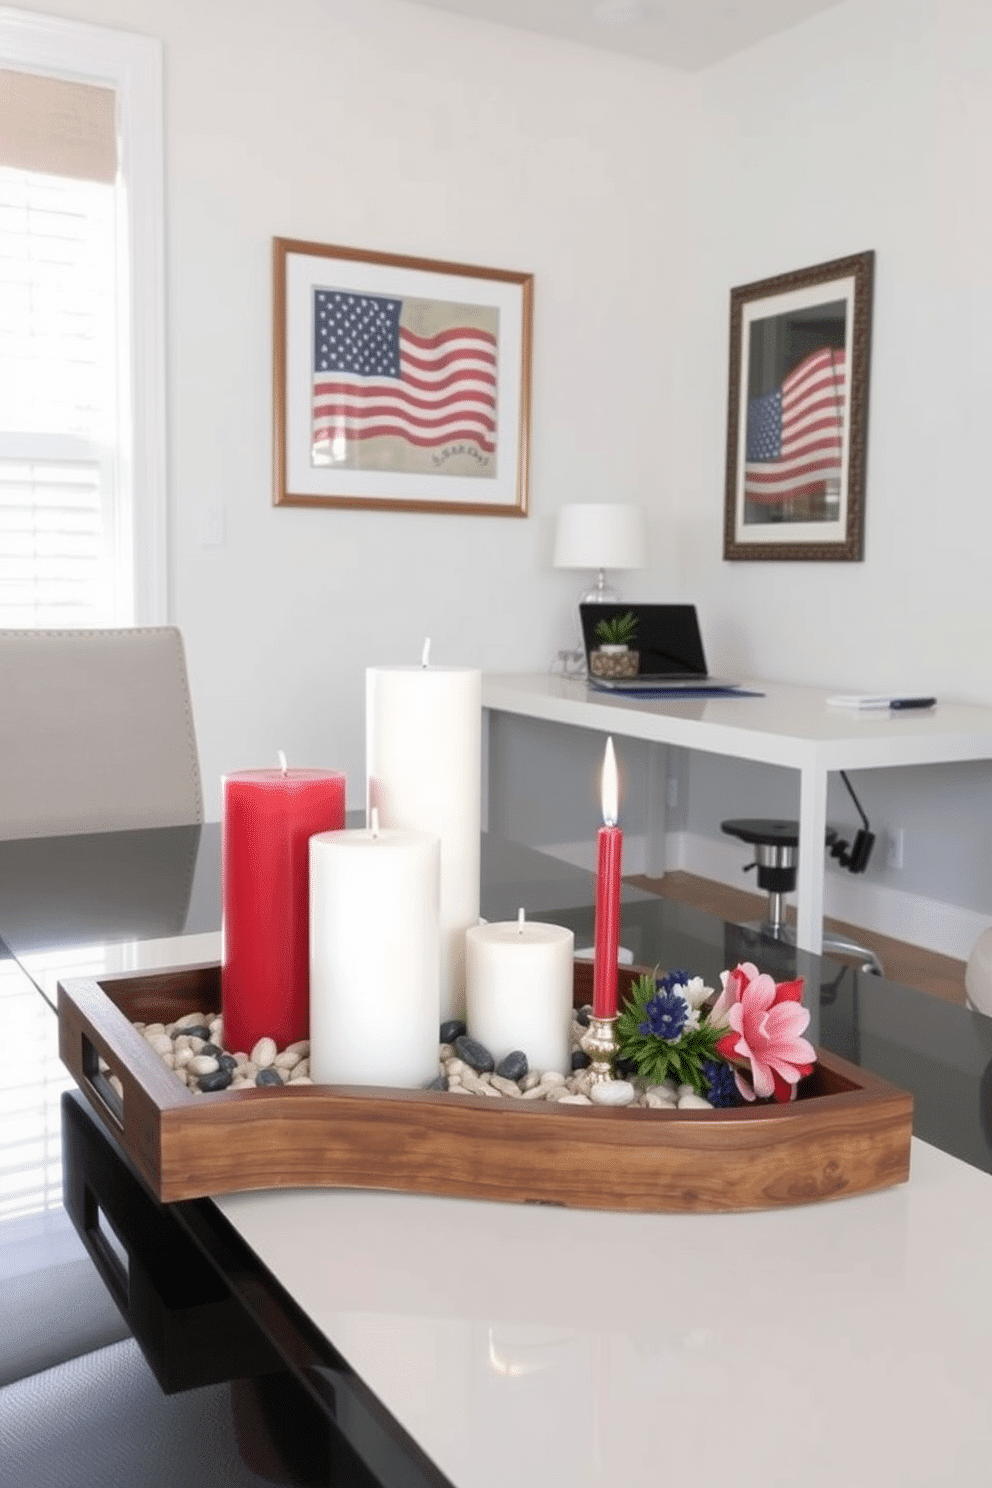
(610, 850)
(269, 818)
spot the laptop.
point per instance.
(664, 648)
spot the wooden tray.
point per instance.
(848, 1133)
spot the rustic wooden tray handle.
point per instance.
(96, 1083)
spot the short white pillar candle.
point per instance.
(519, 990)
(374, 957)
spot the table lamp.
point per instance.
(600, 535)
(597, 535)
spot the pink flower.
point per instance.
(766, 1020)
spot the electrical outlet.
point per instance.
(895, 846)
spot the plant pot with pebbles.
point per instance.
(614, 656)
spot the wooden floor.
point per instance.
(910, 965)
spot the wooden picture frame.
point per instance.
(399, 383)
(797, 413)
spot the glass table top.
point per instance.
(65, 902)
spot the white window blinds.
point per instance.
(61, 513)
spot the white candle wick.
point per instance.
(426, 653)
(521, 920)
(610, 796)
(374, 821)
(281, 754)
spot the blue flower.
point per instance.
(673, 980)
(667, 1013)
(723, 1087)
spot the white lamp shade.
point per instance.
(600, 535)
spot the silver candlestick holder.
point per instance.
(600, 1043)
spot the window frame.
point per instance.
(132, 66)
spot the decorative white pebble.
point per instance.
(530, 1079)
(574, 1100)
(202, 1064)
(693, 1102)
(303, 1080)
(264, 1053)
(190, 1020)
(152, 1028)
(682, 1090)
(287, 1060)
(552, 1077)
(455, 1065)
(536, 1092)
(612, 1093)
(459, 1090)
(301, 1047)
(446, 1051)
(508, 1087)
(657, 1102)
(160, 1042)
(299, 1071)
(239, 1082)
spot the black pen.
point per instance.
(898, 703)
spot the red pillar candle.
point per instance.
(269, 818)
(610, 851)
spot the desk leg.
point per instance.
(812, 865)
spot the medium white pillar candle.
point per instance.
(423, 740)
(519, 990)
(374, 965)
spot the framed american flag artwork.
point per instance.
(401, 383)
(797, 417)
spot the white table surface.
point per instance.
(787, 725)
(844, 1343)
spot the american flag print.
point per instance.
(404, 384)
(795, 435)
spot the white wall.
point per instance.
(867, 127)
(638, 197)
(389, 126)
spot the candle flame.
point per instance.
(426, 653)
(521, 920)
(610, 791)
(281, 756)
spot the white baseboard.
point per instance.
(948, 929)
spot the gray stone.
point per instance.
(451, 1030)
(439, 1082)
(219, 1080)
(475, 1055)
(268, 1076)
(514, 1066)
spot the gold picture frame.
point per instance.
(400, 383)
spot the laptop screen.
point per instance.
(665, 637)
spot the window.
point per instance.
(82, 478)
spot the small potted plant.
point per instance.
(613, 656)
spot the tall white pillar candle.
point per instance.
(423, 740)
(519, 990)
(374, 964)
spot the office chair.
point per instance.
(776, 858)
(96, 732)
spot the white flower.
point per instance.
(695, 993)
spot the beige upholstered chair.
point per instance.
(96, 732)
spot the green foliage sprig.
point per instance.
(618, 631)
(657, 1058)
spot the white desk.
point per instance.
(788, 725)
